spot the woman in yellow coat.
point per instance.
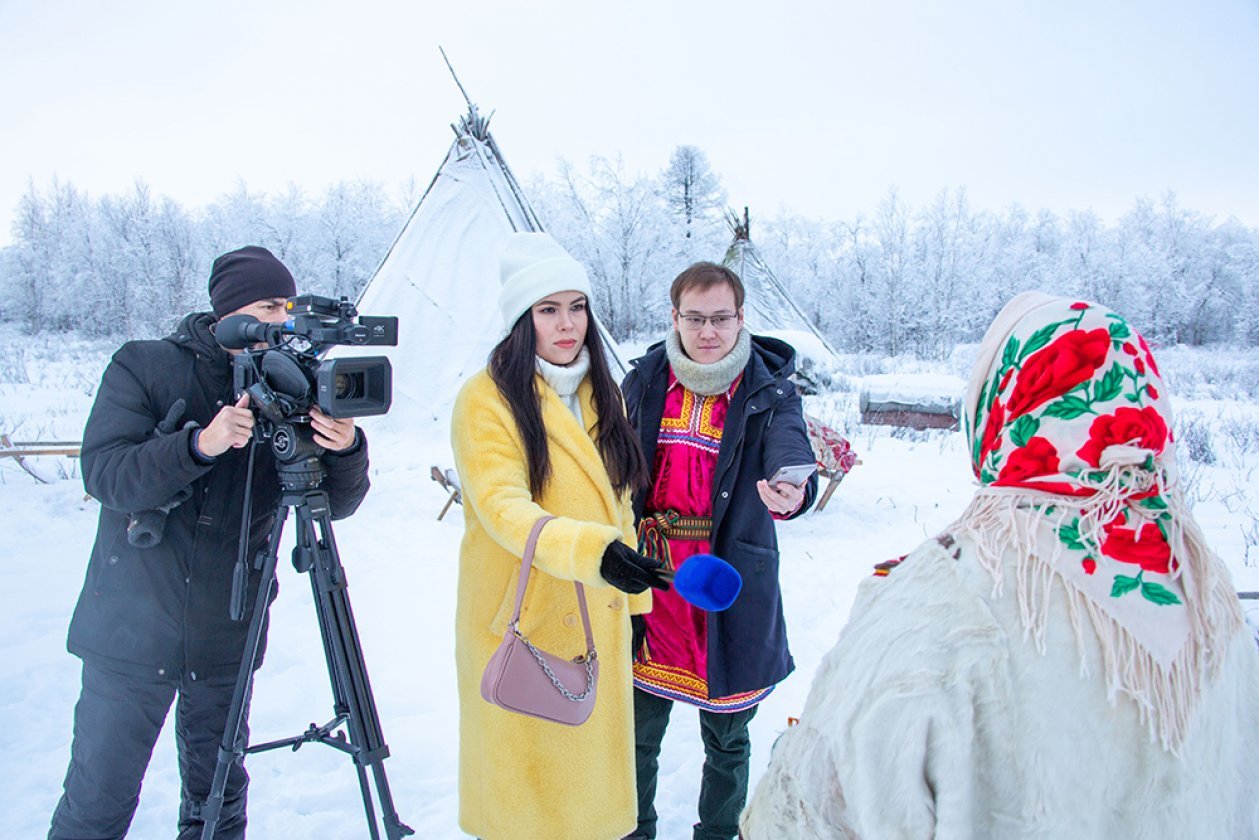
(542, 430)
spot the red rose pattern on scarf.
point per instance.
(1037, 457)
(1142, 427)
(1068, 372)
(1057, 369)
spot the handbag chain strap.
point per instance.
(525, 565)
(555, 681)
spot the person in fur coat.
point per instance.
(1068, 659)
(542, 431)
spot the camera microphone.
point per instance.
(236, 332)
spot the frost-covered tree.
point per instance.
(695, 198)
(144, 263)
(1184, 261)
(614, 223)
(29, 263)
(130, 265)
(351, 228)
(894, 300)
(951, 260)
(234, 219)
(1023, 253)
(53, 246)
(1243, 258)
(332, 243)
(854, 288)
(804, 255)
(900, 280)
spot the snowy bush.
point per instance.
(13, 364)
(1242, 433)
(1193, 437)
(1210, 372)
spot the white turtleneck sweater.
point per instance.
(564, 379)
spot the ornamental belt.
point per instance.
(656, 529)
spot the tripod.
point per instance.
(315, 553)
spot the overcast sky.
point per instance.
(817, 107)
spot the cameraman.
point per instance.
(153, 622)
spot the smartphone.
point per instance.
(796, 475)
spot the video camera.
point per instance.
(279, 367)
(285, 377)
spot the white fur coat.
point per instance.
(933, 717)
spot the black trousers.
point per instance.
(116, 723)
(724, 786)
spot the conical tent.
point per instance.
(767, 306)
(441, 278)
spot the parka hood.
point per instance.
(779, 356)
(195, 333)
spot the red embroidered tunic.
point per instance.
(675, 662)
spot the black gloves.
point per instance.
(629, 571)
(145, 528)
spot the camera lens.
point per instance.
(355, 387)
(349, 386)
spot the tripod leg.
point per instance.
(347, 669)
(229, 749)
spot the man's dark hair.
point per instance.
(703, 276)
(512, 368)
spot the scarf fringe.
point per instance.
(1166, 698)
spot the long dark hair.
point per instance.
(512, 368)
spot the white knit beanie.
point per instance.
(532, 266)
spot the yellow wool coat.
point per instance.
(521, 777)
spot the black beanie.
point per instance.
(240, 277)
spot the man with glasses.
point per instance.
(717, 418)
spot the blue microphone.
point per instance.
(705, 581)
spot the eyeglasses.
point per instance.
(720, 322)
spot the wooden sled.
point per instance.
(20, 450)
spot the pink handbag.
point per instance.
(524, 679)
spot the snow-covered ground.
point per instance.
(401, 565)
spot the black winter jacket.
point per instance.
(163, 611)
(765, 430)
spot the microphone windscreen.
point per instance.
(233, 332)
(708, 582)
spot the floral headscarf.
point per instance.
(1070, 437)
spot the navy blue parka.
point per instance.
(764, 430)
